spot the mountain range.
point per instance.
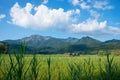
(48, 44)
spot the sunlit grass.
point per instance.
(59, 67)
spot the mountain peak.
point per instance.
(36, 35)
(35, 38)
(88, 41)
(86, 37)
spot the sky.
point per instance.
(99, 19)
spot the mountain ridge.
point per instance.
(48, 44)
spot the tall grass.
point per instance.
(110, 68)
(101, 72)
(88, 69)
(34, 67)
(75, 72)
(49, 66)
(1, 63)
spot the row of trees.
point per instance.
(73, 50)
(4, 48)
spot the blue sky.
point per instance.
(99, 19)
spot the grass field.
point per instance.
(59, 67)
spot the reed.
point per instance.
(49, 66)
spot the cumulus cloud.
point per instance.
(77, 11)
(83, 5)
(2, 16)
(88, 25)
(102, 5)
(80, 3)
(75, 2)
(43, 18)
(92, 24)
(93, 27)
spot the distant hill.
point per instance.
(48, 44)
(110, 44)
(88, 41)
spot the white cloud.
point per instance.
(89, 4)
(102, 5)
(48, 18)
(77, 11)
(95, 14)
(80, 3)
(83, 5)
(2, 16)
(43, 18)
(93, 27)
(75, 2)
(45, 2)
(113, 30)
(88, 26)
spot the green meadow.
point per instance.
(59, 67)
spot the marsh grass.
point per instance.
(53, 67)
(75, 71)
(49, 66)
(101, 72)
(88, 69)
(110, 68)
(35, 67)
